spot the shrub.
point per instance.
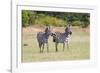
(84, 25)
(48, 20)
(76, 23)
(25, 18)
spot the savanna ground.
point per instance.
(79, 45)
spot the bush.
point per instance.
(59, 22)
(54, 18)
(48, 20)
(25, 18)
(84, 25)
(76, 23)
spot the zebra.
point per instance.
(59, 37)
(42, 38)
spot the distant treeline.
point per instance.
(41, 18)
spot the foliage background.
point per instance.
(54, 18)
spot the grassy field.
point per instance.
(79, 46)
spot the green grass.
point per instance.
(79, 48)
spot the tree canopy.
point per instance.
(41, 18)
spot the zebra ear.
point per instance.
(66, 29)
(48, 27)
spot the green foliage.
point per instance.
(54, 18)
(76, 23)
(85, 20)
(25, 18)
(84, 24)
(32, 16)
(48, 20)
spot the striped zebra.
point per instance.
(42, 38)
(59, 37)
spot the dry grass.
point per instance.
(79, 46)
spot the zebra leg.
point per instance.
(63, 46)
(56, 47)
(42, 47)
(67, 44)
(47, 48)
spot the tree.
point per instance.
(25, 18)
(30, 17)
(85, 20)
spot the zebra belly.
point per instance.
(61, 41)
(43, 40)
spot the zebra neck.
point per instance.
(46, 35)
(66, 34)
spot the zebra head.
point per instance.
(48, 31)
(68, 30)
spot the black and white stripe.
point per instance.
(59, 37)
(42, 38)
